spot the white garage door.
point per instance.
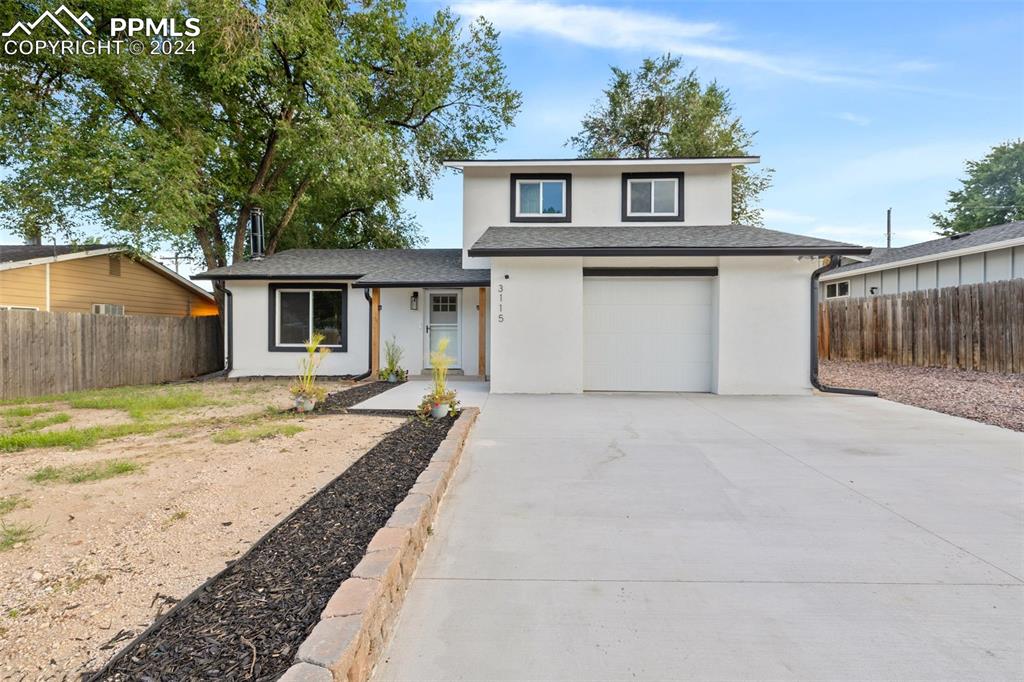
(647, 334)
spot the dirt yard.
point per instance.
(990, 398)
(115, 504)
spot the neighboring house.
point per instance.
(96, 279)
(575, 275)
(986, 255)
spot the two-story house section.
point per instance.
(574, 275)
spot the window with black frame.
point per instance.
(298, 314)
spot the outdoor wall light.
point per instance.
(414, 301)
(874, 290)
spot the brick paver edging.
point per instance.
(349, 639)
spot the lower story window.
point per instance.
(837, 289)
(301, 313)
(108, 309)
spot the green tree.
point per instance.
(991, 194)
(324, 113)
(661, 111)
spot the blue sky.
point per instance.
(858, 106)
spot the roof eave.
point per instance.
(294, 278)
(870, 266)
(518, 163)
(42, 260)
(839, 250)
(394, 284)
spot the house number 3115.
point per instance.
(501, 298)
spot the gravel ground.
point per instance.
(109, 556)
(990, 398)
(248, 622)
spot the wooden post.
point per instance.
(481, 342)
(374, 333)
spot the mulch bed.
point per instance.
(247, 622)
(340, 401)
(986, 397)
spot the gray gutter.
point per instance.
(369, 338)
(362, 284)
(815, 381)
(668, 251)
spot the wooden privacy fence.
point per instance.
(43, 353)
(973, 326)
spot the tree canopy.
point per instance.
(659, 110)
(991, 194)
(323, 113)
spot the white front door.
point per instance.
(444, 315)
(647, 334)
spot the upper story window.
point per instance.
(652, 196)
(541, 198)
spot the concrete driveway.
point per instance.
(705, 537)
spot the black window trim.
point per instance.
(272, 289)
(678, 177)
(514, 178)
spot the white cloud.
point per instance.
(855, 119)
(606, 27)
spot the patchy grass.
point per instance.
(237, 435)
(19, 425)
(9, 503)
(13, 533)
(85, 472)
(140, 402)
(24, 411)
(174, 518)
(73, 438)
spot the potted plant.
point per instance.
(439, 400)
(393, 353)
(305, 391)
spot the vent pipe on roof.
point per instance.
(33, 239)
(257, 243)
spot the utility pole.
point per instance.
(888, 228)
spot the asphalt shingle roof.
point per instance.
(618, 240)
(371, 267)
(937, 247)
(19, 252)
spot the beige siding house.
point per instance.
(103, 280)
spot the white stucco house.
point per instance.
(990, 254)
(574, 275)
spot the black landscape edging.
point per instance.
(423, 440)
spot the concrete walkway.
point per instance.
(706, 537)
(471, 392)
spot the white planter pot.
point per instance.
(303, 404)
(439, 411)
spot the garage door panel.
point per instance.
(647, 334)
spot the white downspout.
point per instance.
(47, 287)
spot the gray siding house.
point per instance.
(987, 255)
